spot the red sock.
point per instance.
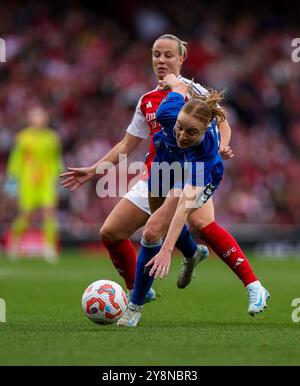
(123, 256)
(226, 247)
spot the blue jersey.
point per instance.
(203, 159)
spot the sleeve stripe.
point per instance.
(199, 89)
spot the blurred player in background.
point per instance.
(132, 212)
(33, 167)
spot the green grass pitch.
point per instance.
(205, 324)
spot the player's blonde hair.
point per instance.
(182, 46)
(205, 107)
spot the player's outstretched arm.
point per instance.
(225, 131)
(75, 177)
(187, 203)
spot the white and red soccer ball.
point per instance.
(104, 302)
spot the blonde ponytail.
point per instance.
(205, 107)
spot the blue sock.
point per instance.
(185, 243)
(143, 281)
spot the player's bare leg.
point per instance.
(202, 217)
(227, 248)
(158, 224)
(155, 229)
(189, 263)
(155, 202)
(124, 220)
(205, 215)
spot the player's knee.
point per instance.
(108, 234)
(152, 233)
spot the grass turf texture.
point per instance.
(205, 324)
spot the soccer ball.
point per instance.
(104, 302)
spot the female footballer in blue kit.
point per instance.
(189, 133)
(132, 212)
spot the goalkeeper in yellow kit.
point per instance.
(33, 167)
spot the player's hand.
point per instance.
(226, 152)
(162, 85)
(160, 264)
(76, 177)
(168, 82)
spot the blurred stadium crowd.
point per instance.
(89, 67)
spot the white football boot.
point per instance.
(131, 316)
(258, 297)
(189, 265)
